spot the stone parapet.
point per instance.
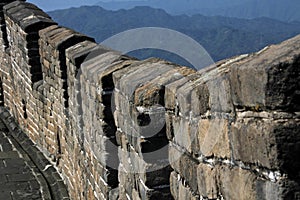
(120, 128)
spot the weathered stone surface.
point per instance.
(208, 181)
(261, 142)
(213, 138)
(153, 92)
(171, 89)
(237, 184)
(254, 142)
(179, 190)
(268, 79)
(116, 127)
(185, 165)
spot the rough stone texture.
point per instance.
(139, 115)
(241, 123)
(119, 128)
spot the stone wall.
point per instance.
(120, 128)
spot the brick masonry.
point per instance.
(120, 128)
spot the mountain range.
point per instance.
(61, 4)
(222, 37)
(284, 10)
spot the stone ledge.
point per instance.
(28, 16)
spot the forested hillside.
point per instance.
(222, 37)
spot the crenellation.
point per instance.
(119, 128)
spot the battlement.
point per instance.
(121, 128)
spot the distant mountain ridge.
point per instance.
(284, 10)
(61, 4)
(222, 37)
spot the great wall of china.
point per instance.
(229, 131)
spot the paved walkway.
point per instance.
(18, 178)
(24, 176)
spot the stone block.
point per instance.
(126, 180)
(174, 157)
(78, 53)
(125, 160)
(169, 126)
(267, 79)
(219, 89)
(213, 136)
(207, 177)
(204, 91)
(171, 91)
(145, 72)
(237, 184)
(174, 184)
(184, 165)
(184, 132)
(266, 143)
(92, 69)
(153, 92)
(200, 99)
(38, 20)
(186, 193)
